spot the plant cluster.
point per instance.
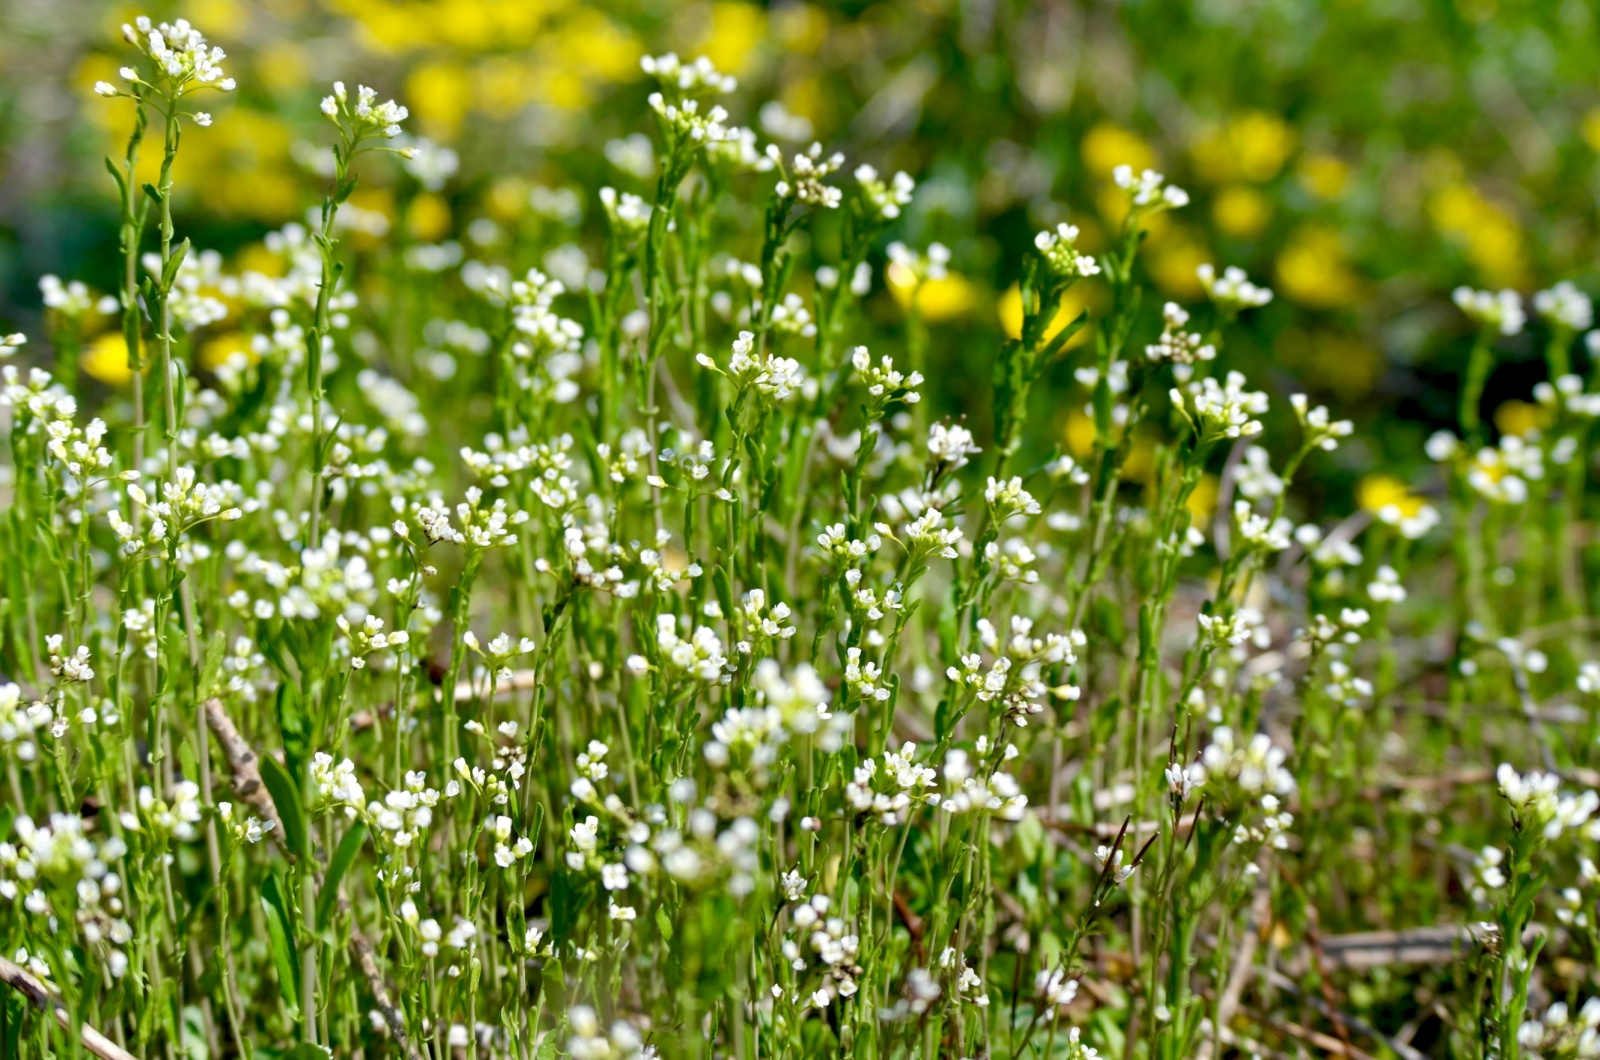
(619, 659)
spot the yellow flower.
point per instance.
(222, 18)
(1331, 361)
(1241, 211)
(106, 359)
(1591, 128)
(1314, 269)
(439, 93)
(1378, 491)
(801, 28)
(283, 66)
(737, 29)
(1252, 147)
(1202, 502)
(1079, 297)
(1324, 176)
(1107, 146)
(507, 198)
(1172, 261)
(937, 300)
(1140, 464)
(217, 351)
(1079, 434)
(1490, 234)
(1519, 417)
(428, 217)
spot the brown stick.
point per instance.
(39, 995)
(247, 785)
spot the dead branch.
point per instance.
(247, 785)
(40, 997)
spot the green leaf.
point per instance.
(170, 272)
(286, 797)
(116, 175)
(284, 956)
(215, 649)
(664, 924)
(293, 724)
(150, 190)
(306, 1051)
(343, 857)
(719, 580)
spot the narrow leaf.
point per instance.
(286, 796)
(343, 857)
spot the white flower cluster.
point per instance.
(1014, 679)
(1564, 306)
(684, 122)
(998, 793)
(1537, 804)
(1321, 429)
(889, 792)
(698, 656)
(1220, 410)
(1059, 248)
(951, 446)
(183, 61)
(772, 377)
(701, 75)
(1557, 1034)
(883, 381)
(885, 199)
(590, 1042)
(1232, 291)
(336, 785)
(367, 117)
(55, 868)
(74, 299)
(803, 179)
(1176, 345)
(1007, 499)
(1148, 191)
(1493, 310)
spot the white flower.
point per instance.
(1232, 291)
(1496, 310)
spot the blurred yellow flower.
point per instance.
(1331, 361)
(800, 28)
(1079, 297)
(1079, 434)
(736, 31)
(1241, 211)
(428, 217)
(106, 359)
(1314, 269)
(1172, 262)
(221, 18)
(1140, 463)
(1489, 233)
(283, 66)
(1252, 147)
(1324, 176)
(803, 96)
(1107, 146)
(937, 300)
(1378, 491)
(1591, 128)
(599, 48)
(439, 93)
(1519, 417)
(216, 352)
(507, 198)
(1202, 503)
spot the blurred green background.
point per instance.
(1360, 156)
